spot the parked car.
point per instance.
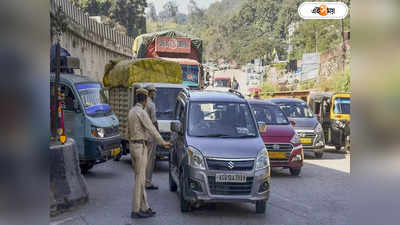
(217, 154)
(306, 124)
(280, 139)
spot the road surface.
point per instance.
(319, 196)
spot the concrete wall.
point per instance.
(93, 43)
(331, 61)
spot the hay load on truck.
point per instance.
(174, 46)
(123, 78)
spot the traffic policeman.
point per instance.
(151, 157)
(140, 126)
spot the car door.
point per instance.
(175, 137)
(74, 120)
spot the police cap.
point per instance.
(150, 87)
(142, 91)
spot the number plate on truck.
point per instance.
(230, 178)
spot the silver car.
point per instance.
(217, 154)
(306, 124)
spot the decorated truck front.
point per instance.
(174, 46)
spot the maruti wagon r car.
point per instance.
(217, 154)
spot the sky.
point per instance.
(182, 4)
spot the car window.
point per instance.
(296, 109)
(221, 119)
(271, 115)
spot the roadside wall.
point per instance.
(331, 61)
(93, 43)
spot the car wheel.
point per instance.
(295, 171)
(185, 205)
(172, 185)
(318, 155)
(261, 206)
(86, 167)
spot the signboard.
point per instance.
(310, 66)
(175, 45)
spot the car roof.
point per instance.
(214, 96)
(261, 102)
(279, 100)
(73, 78)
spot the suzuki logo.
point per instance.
(302, 135)
(230, 165)
(276, 147)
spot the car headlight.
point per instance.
(98, 132)
(196, 159)
(295, 139)
(318, 128)
(262, 160)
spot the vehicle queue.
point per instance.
(220, 146)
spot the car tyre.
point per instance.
(185, 205)
(172, 185)
(318, 155)
(295, 171)
(261, 206)
(86, 167)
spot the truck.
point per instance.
(123, 78)
(174, 46)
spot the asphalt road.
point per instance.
(319, 196)
(238, 74)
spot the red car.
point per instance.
(281, 141)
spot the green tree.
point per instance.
(130, 14)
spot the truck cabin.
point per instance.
(191, 72)
(222, 82)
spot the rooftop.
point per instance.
(215, 96)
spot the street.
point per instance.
(319, 196)
(238, 74)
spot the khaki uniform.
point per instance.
(140, 127)
(151, 156)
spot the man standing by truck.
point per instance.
(151, 110)
(140, 127)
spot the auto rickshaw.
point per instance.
(333, 112)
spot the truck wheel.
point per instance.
(185, 205)
(318, 155)
(86, 167)
(295, 171)
(261, 206)
(172, 185)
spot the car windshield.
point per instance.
(165, 102)
(222, 83)
(271, 115)
(296, 109)
(92, 99)
(341, 106)
(226, 120)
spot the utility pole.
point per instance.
(343, 45)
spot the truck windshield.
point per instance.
(190, 75)
(225, 120)
(222, 83)
(92, 99)
(341, 106)
(296, 109)
(271, 115)
(165, 102)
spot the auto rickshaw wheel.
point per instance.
(86, 167)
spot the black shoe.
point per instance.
(150, 212)
(139, 215)
(152, 187)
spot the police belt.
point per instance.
(144, 142)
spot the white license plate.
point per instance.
(230, 178)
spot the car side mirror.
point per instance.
(77, 107)
(262, 127)
(176, 126)
(292, 123)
